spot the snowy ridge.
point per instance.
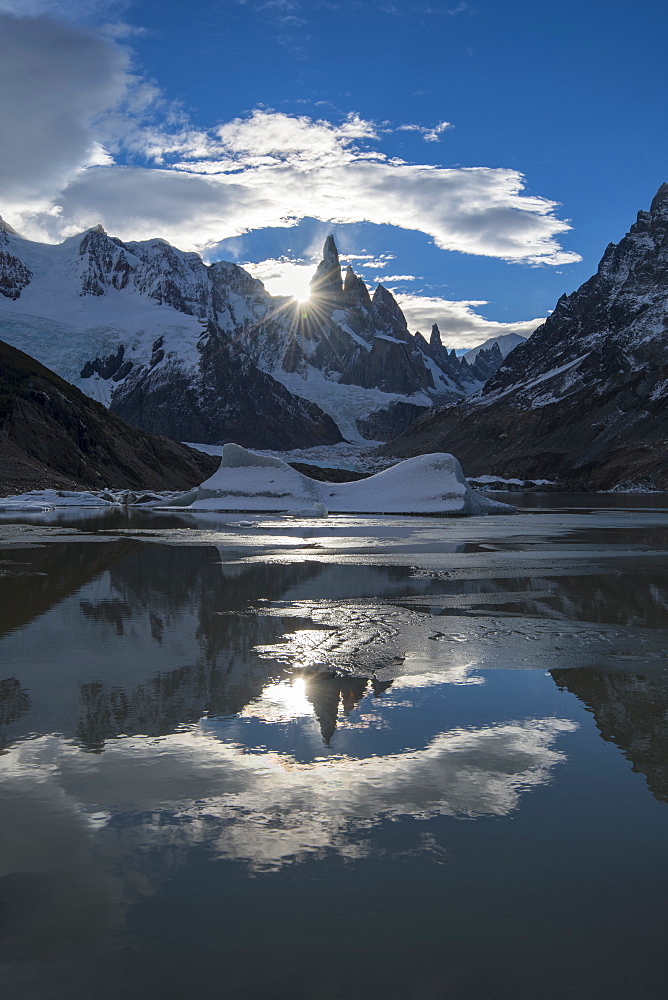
(129, 322)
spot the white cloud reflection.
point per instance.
(266, 809)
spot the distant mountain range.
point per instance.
(204, 353)
(585, 400)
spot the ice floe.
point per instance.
(428, 484)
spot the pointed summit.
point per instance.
(388, 307)
(356, 292)
(435, 338)
(330, 253)
(326, 283)
(660, 199)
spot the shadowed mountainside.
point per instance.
(52, 435)
(584, 400)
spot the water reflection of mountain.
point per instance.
(631, 711)
(158, 636)
(35, 578)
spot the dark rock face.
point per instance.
(52, 435)
(326, 283)
(391, 365)
(104, 264)
(227, 399)
(382, 425)
(14, 275)
(112, 366)
(584, 400)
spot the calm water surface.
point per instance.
(478, 811)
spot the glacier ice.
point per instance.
(428, 484)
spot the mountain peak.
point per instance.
(356, 292)
(388, 309)
(327, 283)
(435, 338)
(660, 199)
(330, 253)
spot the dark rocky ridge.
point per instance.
(52, 435)
(584, 400)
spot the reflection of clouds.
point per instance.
(266, 809)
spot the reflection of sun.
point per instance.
(280, 702)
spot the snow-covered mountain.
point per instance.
(585, 398)
(204, 353)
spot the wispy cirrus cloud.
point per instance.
(430, 133)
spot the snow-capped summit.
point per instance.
(6, 228)
(586, 397)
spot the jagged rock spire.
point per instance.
(660, 199)
(387, 306)
(327, 283)
(356, 292)
(435, 338)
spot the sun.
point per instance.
(284, 276)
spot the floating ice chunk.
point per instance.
(317, 510)
(428, 484)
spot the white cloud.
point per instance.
(56, 81)
(197, 187)
(429, 133)
(384, 279)
(460, 323)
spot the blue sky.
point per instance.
(475, 156)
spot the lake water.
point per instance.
(478, 811)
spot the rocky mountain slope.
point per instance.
(584, 400)
(205, 353)
(52, 435)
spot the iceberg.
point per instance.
(428, 484)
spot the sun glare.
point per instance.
(284, 277)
